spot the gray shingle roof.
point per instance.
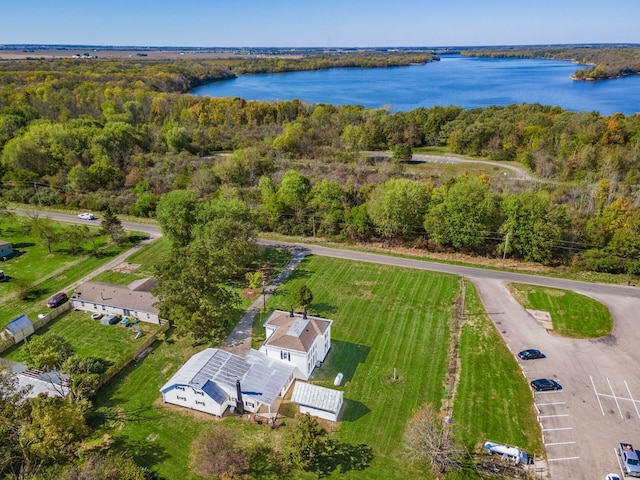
(117, 296)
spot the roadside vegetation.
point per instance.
(572, 314)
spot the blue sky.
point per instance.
(318, 23)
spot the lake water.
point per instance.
(454, 80)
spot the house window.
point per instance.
(198, 402)
(181, 398)
(95, 307)
(250, 404)
(180, 388)
(285, 355)
(82, 303)
(148, 316)
(199, 393)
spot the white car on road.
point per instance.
(87, 216)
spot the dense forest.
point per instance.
(605, 62)
(121, 134)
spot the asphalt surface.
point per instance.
(599, 404)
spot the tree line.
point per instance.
(604, 61)
(121, 135)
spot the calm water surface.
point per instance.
(454, 80)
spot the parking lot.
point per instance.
(599, 404)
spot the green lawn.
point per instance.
(572, 314)
(384, 318)
(90, 338)
(45, 273)
(493, 401)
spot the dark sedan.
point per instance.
(544, 385)
(530, 354)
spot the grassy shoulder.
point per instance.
(493, 400)
(572, 314)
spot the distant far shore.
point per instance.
(141, 53)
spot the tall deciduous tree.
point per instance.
(534, 225)
(398, 207)
(177, 214)
(467, 213)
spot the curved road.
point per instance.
(600, 402)
(520, 173)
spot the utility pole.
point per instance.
(506, 245)
(35, 186)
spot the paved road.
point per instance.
(600, 403)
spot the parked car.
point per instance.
(544, 384)
(630, 459)
(531, 354)
(110, 319)
(87, 216)
(612, 476)
(96, 316)
(57, 300)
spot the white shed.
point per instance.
(18, 329)
(318, 401)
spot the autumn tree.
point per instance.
(427, 441)
(217, 453)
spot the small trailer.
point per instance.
(512, 454)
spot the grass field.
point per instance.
(572, 314)
(493, 400)
(384, 318)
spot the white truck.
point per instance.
(630, 460)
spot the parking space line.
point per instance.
(555, 429)
(558, 443)
(551, 416)
(551, 403)
(597, 396)
(615, 399)
(561, 459)
(632, 399)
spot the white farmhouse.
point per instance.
(298, 339)
(213, 380)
